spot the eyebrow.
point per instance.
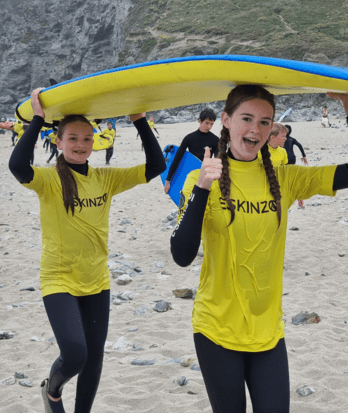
(75, 134)
(249, 114)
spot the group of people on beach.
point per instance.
(237, 204)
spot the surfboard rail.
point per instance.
(181, 81)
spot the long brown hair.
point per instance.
(236, 97)
(69, 187)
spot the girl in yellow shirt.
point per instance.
(237, 204)
(75, 201)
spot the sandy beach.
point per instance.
(318, 353)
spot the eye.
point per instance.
(265, 122)
(246, 119)
(88, 139)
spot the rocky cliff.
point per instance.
(43, 39)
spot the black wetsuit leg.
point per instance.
(225, 372)
(54, 152)
(109, 153)
(80, 325)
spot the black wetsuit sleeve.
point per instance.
(216, 150)
(300, 148)
(341, 177)
(155, 163)
(177, 158)
(186, 237)
(19, 163)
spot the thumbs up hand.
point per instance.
(211, 170)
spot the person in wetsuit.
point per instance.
(75, 201)
(289, 147)
(195, 143)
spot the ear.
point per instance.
(59, 143)
(225, 120)
(199, 121)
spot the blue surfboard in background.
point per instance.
(187, 164)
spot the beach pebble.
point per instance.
(183, 293)
(9, 381)
(20, 375)
(52, 340)
(122, 344)
(126, 295)
(304, 318)
(341, 254)
(132, 329)
(25, 383)
(137, 347)
(141, 310)
(117, 301)
(34, 338)
(27, 289)
(187, 362)
(5, 335)
(143, 362)
(181, 381)
(125, 221)
(307, 273)
(195, 367)
(158, 264)
(124, 279)
(294, 229)
(162, 306)
(305, 390)
(172, 361)
(23, 304)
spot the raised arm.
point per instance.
(187, 234)
(19, 163)
(155, 163)
(177, 158)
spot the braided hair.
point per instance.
(69, 187)
(237, 96)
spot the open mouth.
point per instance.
(250, 143)
(79, 152)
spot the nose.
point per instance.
(255, 128)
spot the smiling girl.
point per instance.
(238, 205)
(75, 201)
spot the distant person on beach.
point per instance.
(109, 133)
(325, 121)
(289, 147)
(153, 127)
(53, 146)
(238, 206)
(195, 143)
(75, 202)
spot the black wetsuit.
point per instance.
(82, 334)
(289, 147)
(195, 142)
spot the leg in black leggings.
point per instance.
(225, 373)
(108, 155)
(54, 152)
(80, 326)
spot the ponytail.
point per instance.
(69, 187)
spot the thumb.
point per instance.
(207, 152)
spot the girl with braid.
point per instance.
(238, 205)
(75, 202)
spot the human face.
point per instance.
(206, 125)
(278, 140)
(249, 127)
(77, 142)
(109, 125)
